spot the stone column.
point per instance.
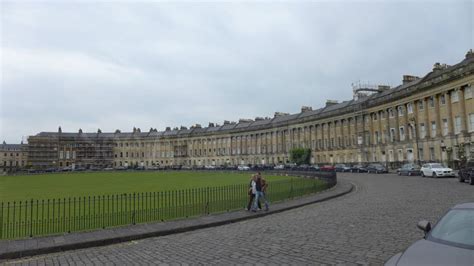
(438, 116)
(450, 118)
(463, 115)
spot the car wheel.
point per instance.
(461, 178)
(399, 173)
(471, 180)
(434, 175)
(422, 174)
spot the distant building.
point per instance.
(13, 157)
(423, 119)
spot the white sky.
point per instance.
(116, 65)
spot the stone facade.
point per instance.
(13, 157)
(424, 119)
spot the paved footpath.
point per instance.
(364, 227)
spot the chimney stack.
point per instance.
(278, 114)
(331, 102)
(244, 120)
(408, 79)
(438, 66)
(470, 54)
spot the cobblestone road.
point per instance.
(366, 226)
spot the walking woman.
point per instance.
(252, 191)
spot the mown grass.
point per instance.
(67, 202)
(61, 185)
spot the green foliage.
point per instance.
(300, 156)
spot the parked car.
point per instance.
(467, 172)
(152, 168)
(120, 168)
(243, 168)
(327, 168)
(279, 167)
(230, 167)
(436, 170)
(303, 167)
(358, 168)
(342, 168)
(315, 167)
(409, 169)
(175, 167)
(376, 168)
(209, 167)
(449, 242)
(66, 169)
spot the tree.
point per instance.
(300, 156)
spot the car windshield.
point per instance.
(437, 165)
(456, 227)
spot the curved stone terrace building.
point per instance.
(424, 119)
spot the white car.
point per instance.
(436, 170)
(243, 168)
(279, 167)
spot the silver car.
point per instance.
(450, 242)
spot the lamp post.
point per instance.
(413, 126)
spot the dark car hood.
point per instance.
(424, 252)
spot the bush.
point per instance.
(300, 156)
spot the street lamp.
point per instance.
(413, 126)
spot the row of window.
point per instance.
(13, 163)
(319, 144)
(11, 154)
(431, 103)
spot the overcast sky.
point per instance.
(119, 65)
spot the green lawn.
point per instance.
(64, 185)
(34, 205)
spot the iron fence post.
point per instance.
(207, 201)
(133, 213)
(31, 218)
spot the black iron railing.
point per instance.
(28, 218)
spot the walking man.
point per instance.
(261, 187)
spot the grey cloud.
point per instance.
(119, 65)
